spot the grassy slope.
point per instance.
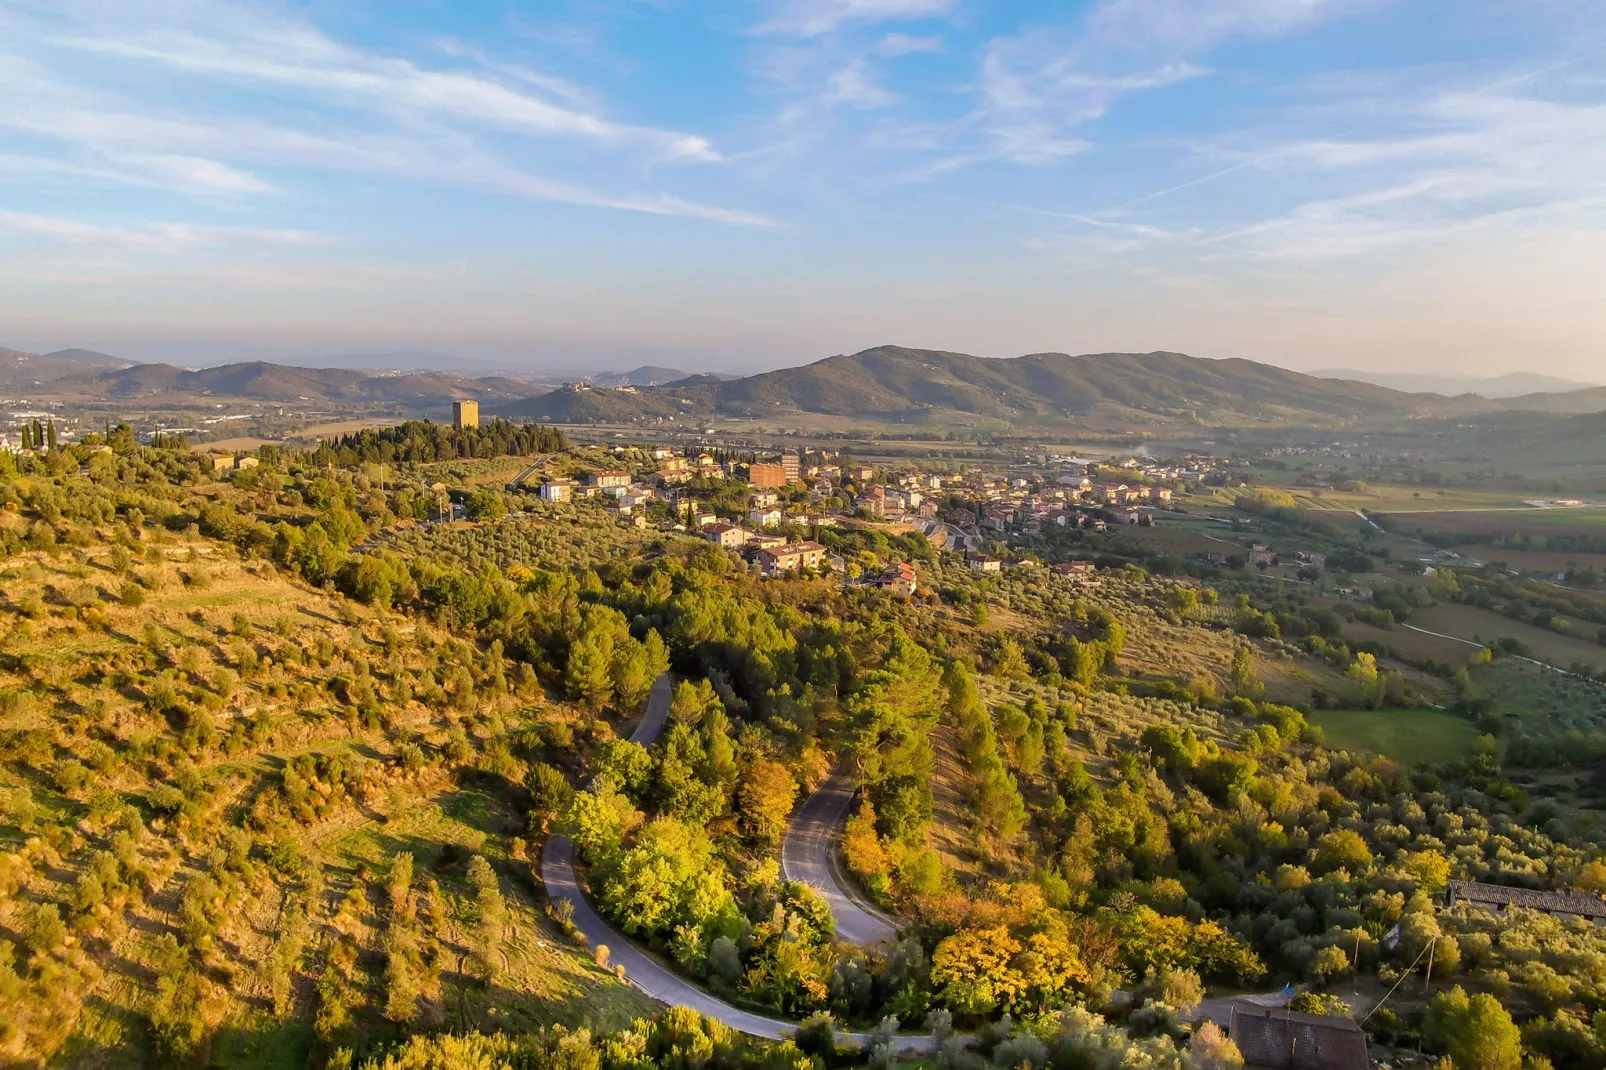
(545, 980)
(1156, 647)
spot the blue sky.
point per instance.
(739, 184)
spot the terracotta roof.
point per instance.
(1499, 895)
(1278, 1039)
(796, 548)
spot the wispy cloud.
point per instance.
(295, 56)
(369, 112)
(903, 44)
(1040, 89)
(1478, 161)
(152, 237)
(810, 18)
(1034, 95)
(1189, 27)
(195, 172)
(1523, 152)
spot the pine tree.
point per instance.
(402, 984)
(285, 957)
(588, 674)
(492, 911)
(1245, 682)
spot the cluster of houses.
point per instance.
(1021, 502)
(628, 499)
(1062, 494)
(774, 553)
(1067, 493)
(231, 462)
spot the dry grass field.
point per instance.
(231, 445)
(951, 818)
(336, 428)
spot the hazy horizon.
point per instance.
(741, 185)
(1511, 384)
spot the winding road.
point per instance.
(809, 854)
(656, 981)
(656, 715)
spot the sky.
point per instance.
(734, 185)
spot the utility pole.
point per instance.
(1433, 946)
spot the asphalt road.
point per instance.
(657, 982)
(656, 715)
(641, 970)
(809, 854)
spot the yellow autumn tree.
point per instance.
(1052, 969)
(973, 970)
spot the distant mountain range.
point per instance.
(1516, 384)
(19, 368)
(889, 383)
(1043, 389)
(259, 381)
(21, 371)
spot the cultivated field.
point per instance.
(1194, 540)
(1484, 626)
(1516, 520)
(1412, 736)
(1404, 499)
(1533, 560)
(1411, 644)
(1546, 701)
